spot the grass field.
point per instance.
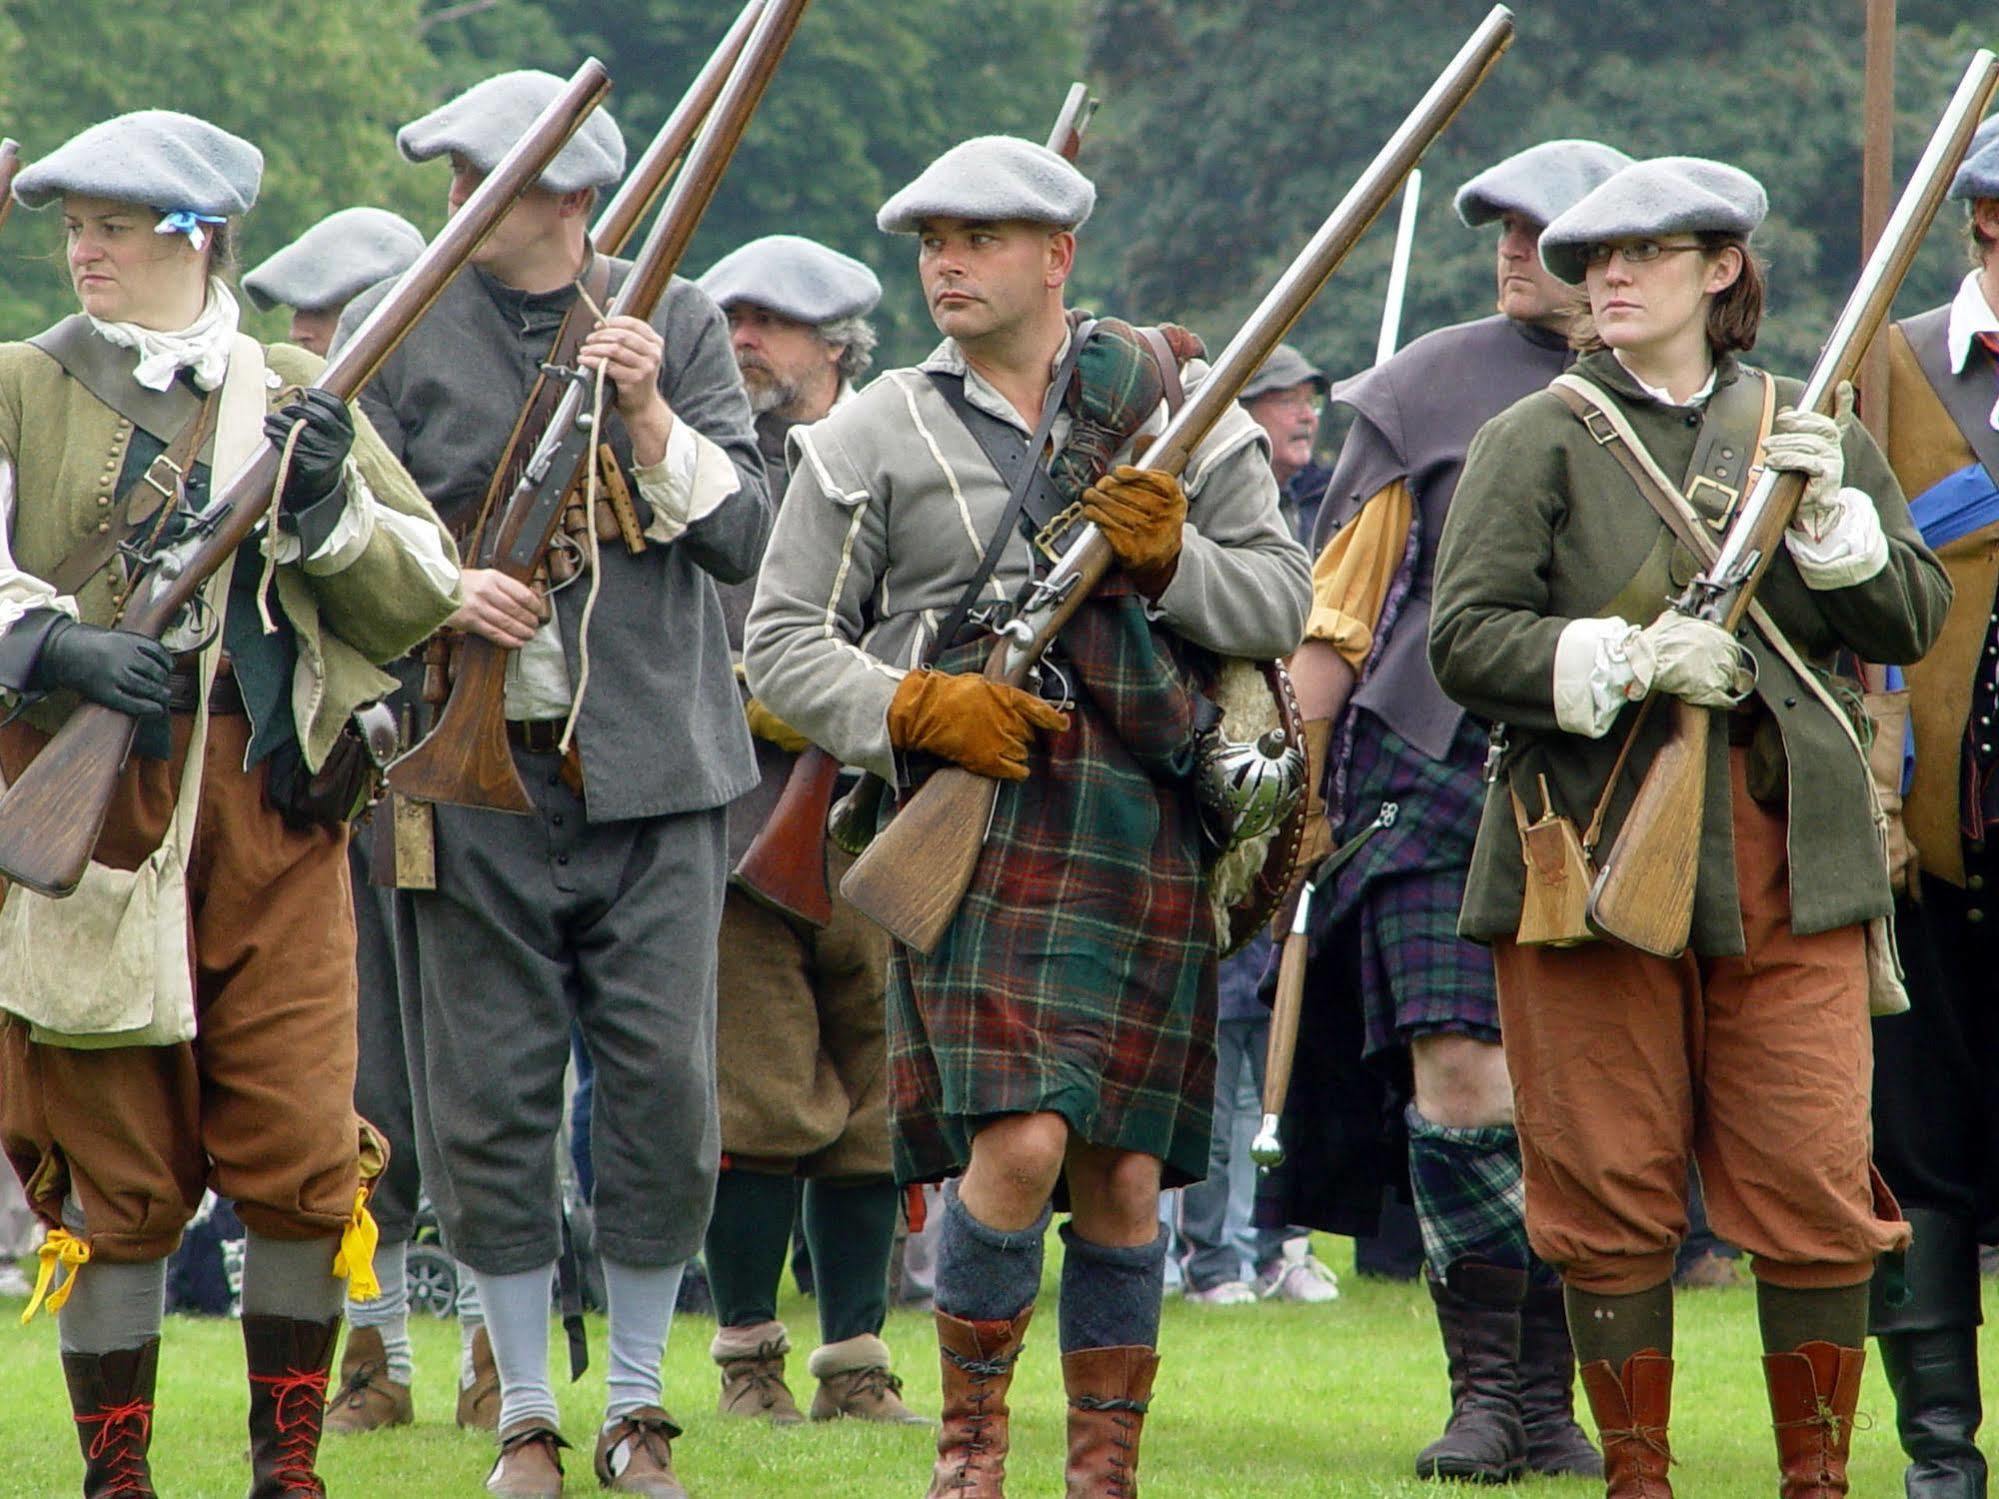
(1292, 1401)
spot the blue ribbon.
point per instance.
(187, 221)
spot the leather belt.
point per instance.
(225, 696)
(538, 736)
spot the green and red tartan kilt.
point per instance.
(1079, 975)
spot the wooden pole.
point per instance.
(1877, 192)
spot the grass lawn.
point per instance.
(1267, 1400)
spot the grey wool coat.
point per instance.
(661, 729)
(1546, 528)
(890, 506)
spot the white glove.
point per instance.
(1803, 442)
(1691, 659)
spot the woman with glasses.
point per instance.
(1749, 1051)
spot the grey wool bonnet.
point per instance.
(1539, 183)
(992, 177)
(1665, 195)
(341, 256)
(483, 123)
(794, 277)
(158, 158)
(1978, 176)
(1284, 368)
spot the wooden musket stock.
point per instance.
(466, 759)
(10, 163)
(914, 875)
(785, 865)
(1644, 893)
(51, 817)
(642, 185)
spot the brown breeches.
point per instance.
(801, 1050)
(1757, 1066)
(260, 1106)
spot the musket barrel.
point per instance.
(1873, 294)
(643, 183)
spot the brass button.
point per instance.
(103, 527)
(1975, 882)
(104, 499)
(1721, 471)
(1728, 452)
(1974, 914)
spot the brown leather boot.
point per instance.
(1814, 1391)
(1632, 1413)
(1478, 1313)
(111, 1395)
(1109, 1391)
(752, 1363)
(479, 1401)
(635, 1455)
(854, 1382)
(978, 1360)
(367, 1399)
(530, 1462)
(289, 1361)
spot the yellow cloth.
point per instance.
(355, 1263)
(61, 1247)
(1351, 579)
(767, 726)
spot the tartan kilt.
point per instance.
(1079, 975)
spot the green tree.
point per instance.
(318, 85)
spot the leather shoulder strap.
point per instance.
(543, 397)
(1966, 398)
(105, 370)
(147, 505)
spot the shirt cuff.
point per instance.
(691, 481)
(1850, 550)
(330, 535)
(1595, 676)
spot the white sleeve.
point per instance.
(1849, 550)
(1595, 675)
(692, 480)
(20, 591)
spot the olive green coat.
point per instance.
(1546, 528)
(375, 607)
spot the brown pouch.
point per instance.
(1554, 906)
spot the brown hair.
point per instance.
(1980, 242)
(1733, 319)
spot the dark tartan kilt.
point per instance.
(1079, 975)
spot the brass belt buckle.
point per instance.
(171, 496)
(1047, 540)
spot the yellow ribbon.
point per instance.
(355, 1263)
(61, 1247)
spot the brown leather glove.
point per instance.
(981, 725)
(1140, 511)
(768, 727)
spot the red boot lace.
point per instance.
(122, 1433)
(299, 1401)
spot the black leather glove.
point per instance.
(322, 448)
(114, 667)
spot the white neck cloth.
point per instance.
(202, 347)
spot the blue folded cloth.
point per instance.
(1956, 505)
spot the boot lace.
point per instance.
(358, 1382)
(762, 1372)
(298, 1399)
(874, 1384)
(982, 1371)
(1827, 1420)
(122, 1433)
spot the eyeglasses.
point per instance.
(1634, 251)
(1304, 399)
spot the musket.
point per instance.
(1644, 893)
(465, 759)
(642, 185)
(10, 163)
(915, 873)
(1280, 1047)
(50, 818)
(785, 865)
(1398, 269)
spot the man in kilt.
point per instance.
(1389, 930)
(1063, 1029)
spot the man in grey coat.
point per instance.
(599, 910)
